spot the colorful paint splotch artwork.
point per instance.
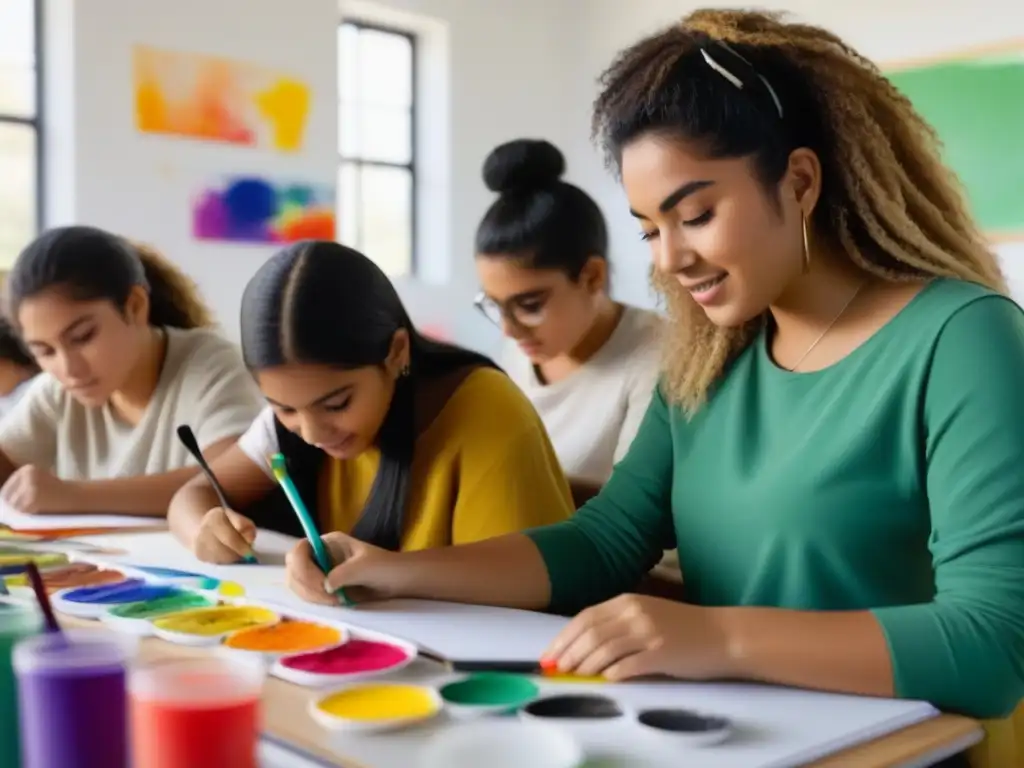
(252, 209)
(216, 99)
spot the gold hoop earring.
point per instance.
(807, 245)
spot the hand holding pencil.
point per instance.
(224, 537)
(364, 571)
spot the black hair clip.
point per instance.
(732, 78)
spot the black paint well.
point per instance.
(574, 707)
(682, 721)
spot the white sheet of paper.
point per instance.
(454, 631)
(21, 521)
(162, 550)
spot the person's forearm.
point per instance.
(142, 496)
(505, 571)
(842, 651)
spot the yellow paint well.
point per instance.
(378, 702)
(220, 620)
(231, 589)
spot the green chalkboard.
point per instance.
(976, 105)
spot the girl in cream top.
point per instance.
(127, 355)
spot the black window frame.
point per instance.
(360, 162)
(35, 121)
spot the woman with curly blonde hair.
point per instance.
(127, 354)
(836, 443)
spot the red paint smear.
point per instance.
(353, 657)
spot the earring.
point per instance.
(807, 245)
(404, 371)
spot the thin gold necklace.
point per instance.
(828, 327)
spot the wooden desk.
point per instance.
(286, 720)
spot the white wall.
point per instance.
(103, 172)
(882, 29)
(507, 80)
(494, 82)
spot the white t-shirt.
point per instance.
(203, 383)
(259, 441)
(592, 415)
(8, 401)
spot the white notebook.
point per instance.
(21, 521)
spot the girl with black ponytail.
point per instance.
(128, 351)
(402, 441)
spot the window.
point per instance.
(376, 143)
(20, 198)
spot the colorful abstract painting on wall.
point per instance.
(217, 99)
(252, 209)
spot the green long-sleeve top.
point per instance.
(892, 481)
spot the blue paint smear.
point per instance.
(166, 573)
(202, 580)
(131, 591)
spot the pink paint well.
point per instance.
(354, 657)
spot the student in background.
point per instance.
(400, 441)
(836, 441)
(17, 368)
(587, 363)
(128, 353)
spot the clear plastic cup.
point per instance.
(17, 622)
(200, 713)
(72, 688)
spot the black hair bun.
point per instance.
(523, 165)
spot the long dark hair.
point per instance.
(544, 222)
(87, 264)
(322, 303)
(750, 84)
(12, 348)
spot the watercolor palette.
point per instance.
(287, 638)
(376, 707)
(209, 626)
(94, 602)
(13, 561)
(137, 618)
(66, 577)
(488, 693)
(356, 660)
(580, 712)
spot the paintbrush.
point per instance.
(36, 580)
(323, 557)
(543, 668)
(188, 439)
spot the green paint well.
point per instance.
(162, 606)
(491, 689)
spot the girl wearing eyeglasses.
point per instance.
(587, 363)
